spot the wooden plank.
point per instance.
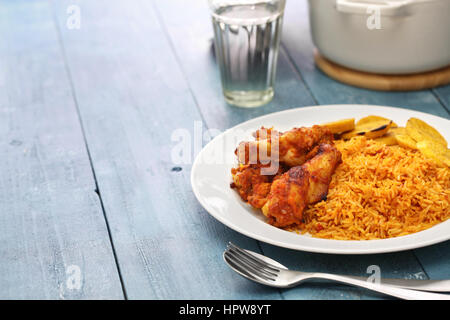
(54, 242)
(432, 260)
(132, 96)
(298, 42)
(165, 242)
(391, 265)
(192, 52)
(436, 260)
(443, 94)
(382, 82)
(193, 48)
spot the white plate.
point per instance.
(211, 177)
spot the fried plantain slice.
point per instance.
(420, 130)
(372, 118)
(340, 125)
(389, 138)
(397, 130)
(370, 130)
(406, 141)
(436, 151)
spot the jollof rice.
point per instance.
(380, 192)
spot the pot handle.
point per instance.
(387, 8)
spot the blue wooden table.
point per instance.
(91, 205)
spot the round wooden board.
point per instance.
(383, 82)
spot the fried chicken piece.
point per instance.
(265, 133)
(291, 148)
(252, 185)
(301, 185)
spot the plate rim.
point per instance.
(323, 249)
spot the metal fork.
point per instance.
(266, 271)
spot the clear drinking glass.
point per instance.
(247, 36)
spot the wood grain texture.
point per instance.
(433, 260)
(194, 51)
(142, 71)
(198, 67)
(132, 97)
(382, 82)
(54, 242)
(443, 95)
(297, 41)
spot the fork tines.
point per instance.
(250, 264)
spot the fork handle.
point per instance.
(381, 288)
(414, 284)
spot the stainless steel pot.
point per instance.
(383, 36)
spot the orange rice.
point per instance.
(380, 192)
